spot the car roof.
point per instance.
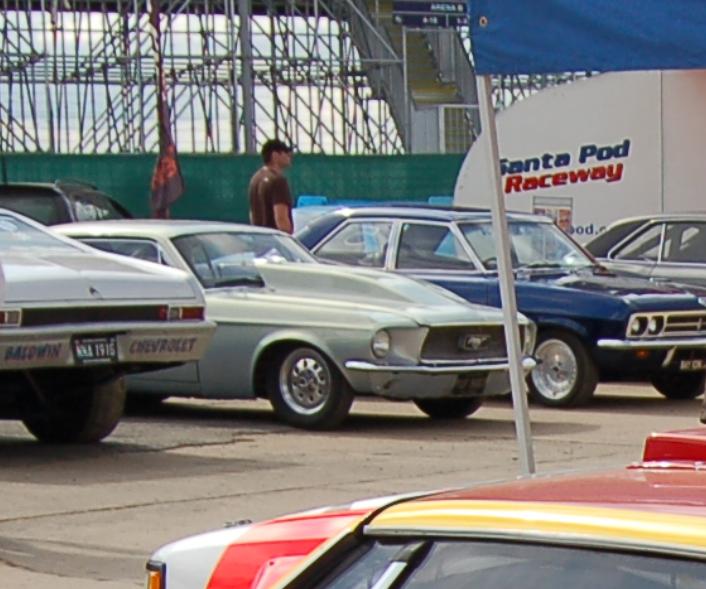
(430, 213)
(647, 487)
(28, 186)
(682, 216)
(155, 227)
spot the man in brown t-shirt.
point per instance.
(270, 198)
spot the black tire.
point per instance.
(678, 386)
(565, 375)
(449, 408)
(77, 417)
(319, 399)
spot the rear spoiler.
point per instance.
(687, 445)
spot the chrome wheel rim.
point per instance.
(557, 370)
(305, 384)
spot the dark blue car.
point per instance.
(593, 325)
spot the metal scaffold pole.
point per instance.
(246, 75)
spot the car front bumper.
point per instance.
(432, 381)
(655, 344)
(107, 344)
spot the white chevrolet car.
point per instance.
(73, 321)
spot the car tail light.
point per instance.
(193, 313)
(10, 317)
(182, 313)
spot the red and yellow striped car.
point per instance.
(641, 527)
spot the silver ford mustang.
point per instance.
(309, 336)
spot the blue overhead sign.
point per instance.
(429, 14)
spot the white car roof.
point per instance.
(155, 227)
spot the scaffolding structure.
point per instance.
(79, 76)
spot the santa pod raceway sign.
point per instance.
(595, 163)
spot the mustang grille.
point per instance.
(458, 343)
(118, 314)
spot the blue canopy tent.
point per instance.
(554, 36)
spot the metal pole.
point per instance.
(246, 76)
(506, 280)
(407, 105)
(233, 48)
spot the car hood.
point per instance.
(37, 277)
(373, 290)
(634, 290)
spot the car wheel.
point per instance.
(565, 375)
(307, 390)
(81, 416)
(680, 386)
(449, 408)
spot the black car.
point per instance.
(665, 247)
(63, 201)
(593, 325)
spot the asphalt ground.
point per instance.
(79, 517)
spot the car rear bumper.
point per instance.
(129, 344)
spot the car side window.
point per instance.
(429, 247)
(361, 243)
(644, 247)
(685, 242)
(142, 249)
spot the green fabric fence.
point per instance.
(216, 185)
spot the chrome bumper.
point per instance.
(527, 364)
(656, 344)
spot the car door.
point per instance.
(243, 321)
(683, 256)
(436, 252)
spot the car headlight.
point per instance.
(637, 326)
(380, 344)
(655, 325)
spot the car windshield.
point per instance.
(18, 236)
(229, 258)
(534, 245)
(496, 565)
(94, 206)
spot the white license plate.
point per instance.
(95, 350)
(692, 364)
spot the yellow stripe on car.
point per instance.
(545, 520)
